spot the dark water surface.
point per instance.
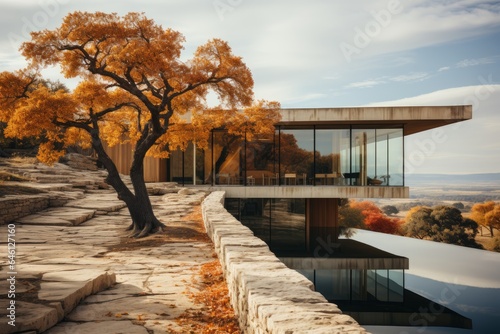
(463, 279)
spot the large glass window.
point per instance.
(228, 156)
(358, 285)
(255, 213)
(288, 224)
(281, 223)
(176, 168)
(377, 157)
(260, 161)
(358, 281)
(332, 156)
(296, 156)
(362, 157)
(395, 149)
(396, 285)
(382, 285)
(325, 283)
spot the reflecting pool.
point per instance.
(463, 279)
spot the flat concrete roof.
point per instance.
(312, 191)
(413, 119)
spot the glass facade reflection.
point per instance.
(358, 284)
(281, 223)
(316, 156)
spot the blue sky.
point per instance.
(333, 53)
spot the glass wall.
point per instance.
(185, 164)
(296, 156)
(227, 158)
(260, 160)
(281, 223)
(332, 157)
(358, 284)
(377, 157)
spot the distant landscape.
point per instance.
(473, 188)
(451, 190)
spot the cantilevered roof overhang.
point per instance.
(412, 119)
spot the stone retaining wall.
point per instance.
(267, 296)
(20, 206)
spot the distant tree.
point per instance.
(350, 218)
(417, 222)
(374, 218)
(442, 224)
(487, 214)
(390, 210)
(494, 244)
(492, 218)
(458, 205)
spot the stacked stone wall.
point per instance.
(267, 296)
(20, 206)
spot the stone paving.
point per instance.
(76, 272)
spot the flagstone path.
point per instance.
(76, 272)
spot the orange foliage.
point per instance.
(487, 214)
(134, 88)
(375, 219)
(217, 316)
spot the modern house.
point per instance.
(287, 188)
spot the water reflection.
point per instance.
(463, 279)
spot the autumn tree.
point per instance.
(296, 159)
(375, 219)
(134, 87)
(417, 223)
(487, 214)
(350, 218)
(442, 224)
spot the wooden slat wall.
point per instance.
(122, 155)
(321, 220)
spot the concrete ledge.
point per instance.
(312, 191)
(267, 296)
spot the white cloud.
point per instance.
(419, 76)
(419, 24)
(475, 62)
(365, 83)
(444, 68)
(306, 97)
(414, 76)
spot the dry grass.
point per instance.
(217, 315)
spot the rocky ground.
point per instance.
(76, 271)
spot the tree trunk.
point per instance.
(138, 203)
(144, 220)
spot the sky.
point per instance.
(322, 53)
